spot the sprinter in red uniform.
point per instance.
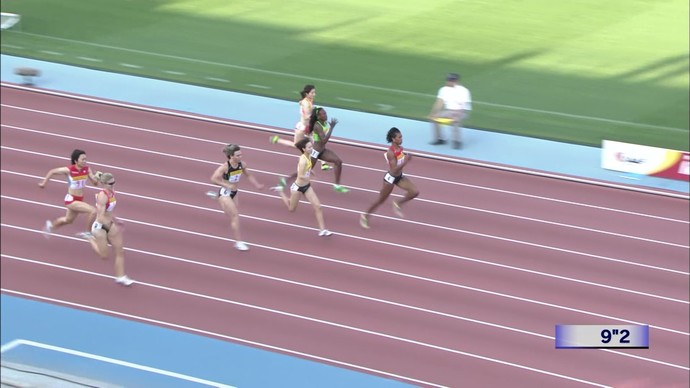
(397, 159)
(77, 175)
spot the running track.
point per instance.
(465, 291)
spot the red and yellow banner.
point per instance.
(645, 160)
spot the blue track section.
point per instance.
(169, 351)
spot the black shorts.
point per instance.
(316, 154)
(225, 192)
(97, 225)
(393, 180)
(301, 189)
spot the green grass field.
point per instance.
(578, 71)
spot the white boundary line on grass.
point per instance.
(346, 142)
(397, 91)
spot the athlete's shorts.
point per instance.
(69, 198)
(97, 225)
(225, 192)
(301, 189)
(393, 180)
(315, 154)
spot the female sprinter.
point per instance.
(77, 174)
(306, 104)
(321, 130)
(228, 175)
(107, 229)
(397, 160)
(302, 185)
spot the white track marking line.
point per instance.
(638, 189)
(202, 184)
(398, 246)
(360, 266)
(216, 335)
(320, 321)
(391, 244)
(21, 342)
(167, 154)
(368, 298)
(348, 165)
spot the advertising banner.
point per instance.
(645, 160)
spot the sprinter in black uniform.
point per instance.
(227, 176)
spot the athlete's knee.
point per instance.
(102, 252)
(413, 193)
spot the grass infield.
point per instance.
(579, 71)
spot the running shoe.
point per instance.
(364, 221)
(397, 210)
(85, 235)
(240, 246)
(340, 189)
(274, 139)
(47, 229)
(281, 185)
(325, 166)
(325, 232)
(124, 280)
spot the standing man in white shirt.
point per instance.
(453, 105)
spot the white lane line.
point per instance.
(433, 226)
(214, 334)
(173, 72)
(22, 342)
(455, 183)
(322, 322)
(350, 84)
(363, 297)
(347, 263)
(387, 243)
(467, 162)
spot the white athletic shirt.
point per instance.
(455, 97)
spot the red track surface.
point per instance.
(465, 291)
